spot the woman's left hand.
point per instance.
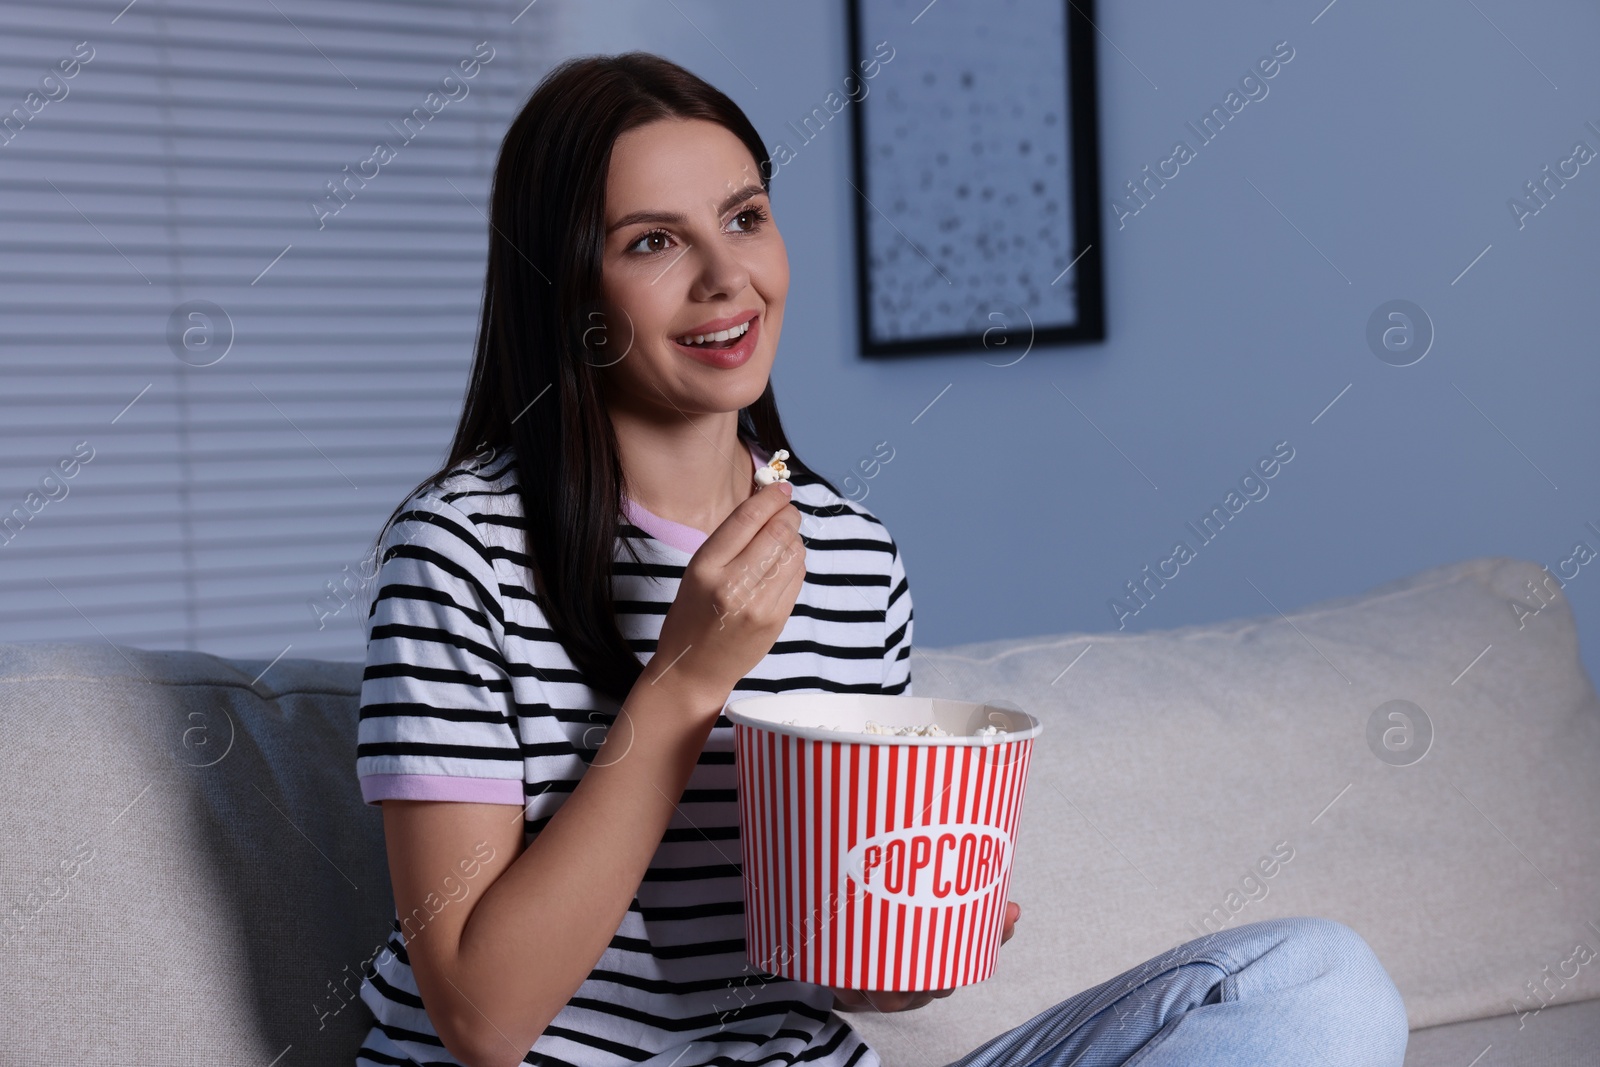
(860, 1000)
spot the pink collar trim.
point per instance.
(686, 539)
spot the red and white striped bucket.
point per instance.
(877, 861)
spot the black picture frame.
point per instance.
(993, 325)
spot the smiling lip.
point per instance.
(725, 358)
(716, 325)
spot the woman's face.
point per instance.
(708, 252)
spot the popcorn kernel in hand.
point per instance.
(774, 471)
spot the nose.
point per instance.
(719, 271)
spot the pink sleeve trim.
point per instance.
(379, 787)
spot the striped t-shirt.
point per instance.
(468, 695)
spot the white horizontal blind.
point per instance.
(213, 482)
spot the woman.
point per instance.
(563, 610)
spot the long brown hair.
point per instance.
(541, 287)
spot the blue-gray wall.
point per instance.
(1378, 167)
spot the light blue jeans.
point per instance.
(1295, 992)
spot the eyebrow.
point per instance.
(673, 219)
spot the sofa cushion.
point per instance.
(187, 871)
(1561, 1035)
(1172, 763)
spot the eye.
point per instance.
(663, 234)
(757, 214)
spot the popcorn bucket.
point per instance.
(876, 861)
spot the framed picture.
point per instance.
(976, 176)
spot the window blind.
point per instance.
(242, 250)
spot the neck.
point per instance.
(692, 469)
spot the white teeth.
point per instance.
(721, 335)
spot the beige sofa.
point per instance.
(188, 874)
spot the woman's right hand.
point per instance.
(734, 598)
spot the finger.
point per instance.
(772, 545)
(795, 565)
(731, 538)
(777, 569)
(776, 542)
(850, 1000)
(896, 1001)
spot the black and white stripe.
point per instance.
(466, 680)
